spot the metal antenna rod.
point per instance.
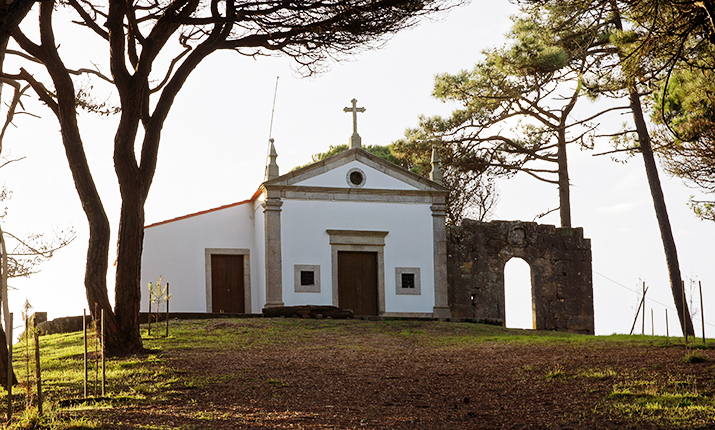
(273, 110)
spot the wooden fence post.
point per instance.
(685, 329)
(84, 326)
(104, 372)
(96, 346)
(8, 334)
(644, 306)
(28, 386)
(640, 305)
(150, 293)
(38, 374)
(702, 310)
(167, 309)
(652, 324)
(667, 329)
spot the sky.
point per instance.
(215, 142)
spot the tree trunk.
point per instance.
(656, 192)
(3, 362)
(11, 14)
(5, 311)
(64, 108)
(130, 241)
(564, 191)
(661, 213)
(128, 279)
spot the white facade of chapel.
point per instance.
(304, 219)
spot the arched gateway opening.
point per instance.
(518, 303)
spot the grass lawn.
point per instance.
(344, 374)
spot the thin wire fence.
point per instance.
(648, 299)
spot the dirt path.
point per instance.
(376, 381)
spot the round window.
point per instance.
(356, 178)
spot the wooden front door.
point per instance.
(357, 282)
(227, 283)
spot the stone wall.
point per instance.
(61, 325)
(561, 277)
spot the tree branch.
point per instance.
(88, 20)
(17, 93)
(615, 151)
(10, 161)
(541, 215)
(44, 250)
(170, 69)
(40, 90)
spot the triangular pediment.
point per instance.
(368, 172)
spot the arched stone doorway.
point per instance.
(518, 297)
(560, 260)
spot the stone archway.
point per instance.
(560, 260)
(518, 299)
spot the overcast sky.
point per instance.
(214, 147)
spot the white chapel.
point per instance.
(352, 231)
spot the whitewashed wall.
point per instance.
(176, 250)
(408, 244)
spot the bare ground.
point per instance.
(360, 378)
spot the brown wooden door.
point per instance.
(227, 283)
(357, 282)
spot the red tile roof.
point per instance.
(254, 197)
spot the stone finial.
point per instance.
(355, 139)
(436, 173)
(272, 168)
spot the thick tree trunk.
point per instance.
(64, 107)
(562, 162)
(564, 191)
(11, 14)
(661, 213)
(95, 281)
(127, 296)
(5, 310)
(128, 279)
(3, 362)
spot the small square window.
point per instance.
(408, 280)
(307, 277)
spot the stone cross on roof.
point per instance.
(355, 140)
